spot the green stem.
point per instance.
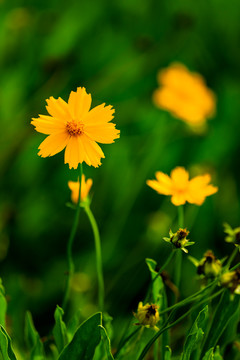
(70, 263)
(189, 299)
(178, 265)
(98, 257)
(231, 258)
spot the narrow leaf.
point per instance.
(168, 353)
(226, 309)
(33, 339)
(107, 343)
(195, 334)
(3, 305)
(59, 330)
(209, 355)
(157, 283)
(5, 345)
(85, 340)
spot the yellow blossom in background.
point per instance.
(181, 188)
(184, 94)
(147, 315)
(85, 188)
(72, 125)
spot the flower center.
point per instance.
(74, 128)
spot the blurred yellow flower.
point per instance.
(73, 125)
(85, 188)
(184, 94)
(181, 188)
(147, 315)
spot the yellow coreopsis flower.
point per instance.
(181, 188)
(184, 94)
(72, 125)
(85, 188)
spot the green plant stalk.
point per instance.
(166, 327)
(189, 299)
(178, 262)
(231, 258)
(70, 262)
(98, 257)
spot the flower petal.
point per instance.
(53, 144)
(178, 199)
(79, 103)
(47, 124)
(58, 108)
(180, 177)
(93, 152)
(99, 115)
(102, 133)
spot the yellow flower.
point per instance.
(147, 315)
(85, 188)
(184, 94)
(181, 188)
(74, 126)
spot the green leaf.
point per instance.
(157, 283)
(217, 355)
(5, 345)
(3, 305)
(59, 330)
(168, 353)
(33, 339)
(73, 324)
(225, 310)
(85, 340)
(195, 334)
(107, 343)
(209, 355)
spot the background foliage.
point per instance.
(114, 49)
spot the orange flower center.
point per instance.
(74, 128)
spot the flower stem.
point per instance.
(232, 257)
(98, 257)
(178, 266)
(70, 244)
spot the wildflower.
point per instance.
(85, 188)
(181, 188)
(179, 239)
(209, 265)
(74, 126)
(233, 235)
(147, 315)
(231, 280)
(184, 94)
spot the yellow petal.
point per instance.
(79, 103)
(103, 133)
(58, 108)
(180, 177)
(93, 152)
(47, 125)
(53, 144)
(178, 199)
(100, 114)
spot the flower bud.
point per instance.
(147, 315)
(231, 280)
(209, 265)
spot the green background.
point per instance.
(114, 49)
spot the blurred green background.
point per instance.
(114, 49)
